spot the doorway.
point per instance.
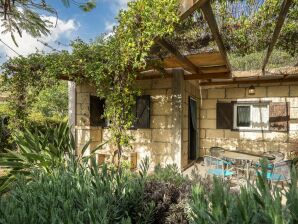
(192, 129)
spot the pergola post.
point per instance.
(177, 115)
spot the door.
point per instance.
(192, 129)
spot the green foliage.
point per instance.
(42, 149)
(258, 203)
(111, 65)
(4, 133)
(78, 196)
(246, 27)
(51, 102)
(251, 30)
(169, 174)
(254, 60)
(25, 15)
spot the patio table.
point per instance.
(245, 155)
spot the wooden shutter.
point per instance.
(224, 115)
(279, 116)
(96, 111)
(142, 112)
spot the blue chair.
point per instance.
(281, 171)
(217, 167)
(218, 153)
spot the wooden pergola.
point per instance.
(214, 68)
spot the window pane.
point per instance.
(260, 116)
(243, 116)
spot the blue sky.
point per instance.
(72, 23)
(93, 23)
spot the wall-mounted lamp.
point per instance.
(251, 90)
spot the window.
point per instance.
(97, 111)
(251, 116)
(142, 112)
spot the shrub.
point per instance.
(169, 173)
(257, 203)
(78, 196)
(40, 148)
(169, 190)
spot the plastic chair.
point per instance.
(216, 151)
(281, 171)
(279, 156)
(217, 167)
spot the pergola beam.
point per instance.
(245, 81)
(181, 58)
(222, 75)
(188, 7)
(210, 18)
(279, 23)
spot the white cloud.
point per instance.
(28, 44)
(116, 5)
(109, 26)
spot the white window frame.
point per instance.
(250, 128)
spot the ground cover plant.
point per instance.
(74, 194)
(257, 203)
(52, 185)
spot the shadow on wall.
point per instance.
(250, 140)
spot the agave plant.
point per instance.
(43, 150)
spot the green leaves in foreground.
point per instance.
(46, 150)
(258, 203)
(69, 195)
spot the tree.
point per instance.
(27, 15)
(112, 64)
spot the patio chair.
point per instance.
(217, 167)
(216, 151)
(279, 156)
(281, 172)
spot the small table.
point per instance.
(245, 155)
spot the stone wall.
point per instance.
(158, 142)
(252, 140)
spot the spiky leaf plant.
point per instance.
(45, 150)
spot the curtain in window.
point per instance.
(243, 116)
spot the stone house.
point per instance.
(182, 115)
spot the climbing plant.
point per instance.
(112, 64)
(246, 27)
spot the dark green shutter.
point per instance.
(96, 111)
(142, 112)
(224, 115)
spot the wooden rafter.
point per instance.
(188, 7)
(245, 81)
(221, 75)
(210, 18)
(181, 58)
(279, 23)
